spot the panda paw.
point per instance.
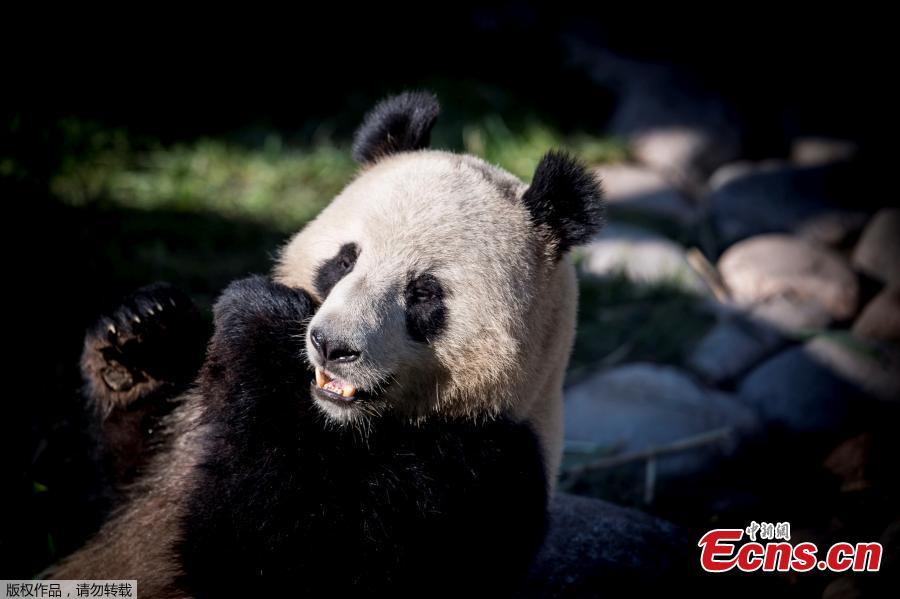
(258, 341)
(153, 342)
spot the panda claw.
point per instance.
(139, 347)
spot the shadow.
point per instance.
(78, 263)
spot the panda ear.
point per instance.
(565, 202)
(397, 124)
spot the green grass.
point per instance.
(623, 484)
(519, 151)
(272, 183)
(621, 321)
(280, 187)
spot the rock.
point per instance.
(849, 461)
(832, 228)
(810, 388)
(883, 584)
(594, 547)
(845, 587)
(642, 256)
(638, 406)
(792, 389)
(878, 252)
(890, 559)
(789, 315)
(816, 151)
(880, 319)
(872, 367)
(689, 153)
(632, 189)
(867, 461)
(672, 122)
(768, 266)
(780, 198)
(824, 224)
(735, 170)
(733, 346)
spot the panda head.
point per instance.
(428, 266)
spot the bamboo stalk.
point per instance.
(708, 273)
(684, 444)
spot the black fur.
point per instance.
(336, 268)
(426, 312)
(137, 359)
(400, 123)
(565, 201)
(287, 504)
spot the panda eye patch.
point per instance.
(336, 268)
(426, 312)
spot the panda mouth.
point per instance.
(333, 387)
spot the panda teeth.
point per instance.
(335, 385)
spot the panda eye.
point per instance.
(334, 269)
(422, 290)
(426, 312)
(422, 294)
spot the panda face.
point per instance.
(436, 273)
(424, 266)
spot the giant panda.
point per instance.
(383, 413)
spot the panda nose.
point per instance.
(331, 350)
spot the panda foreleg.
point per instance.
(136, 360)
(257, 349)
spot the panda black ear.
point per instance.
(397, 124)
(565, 202)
